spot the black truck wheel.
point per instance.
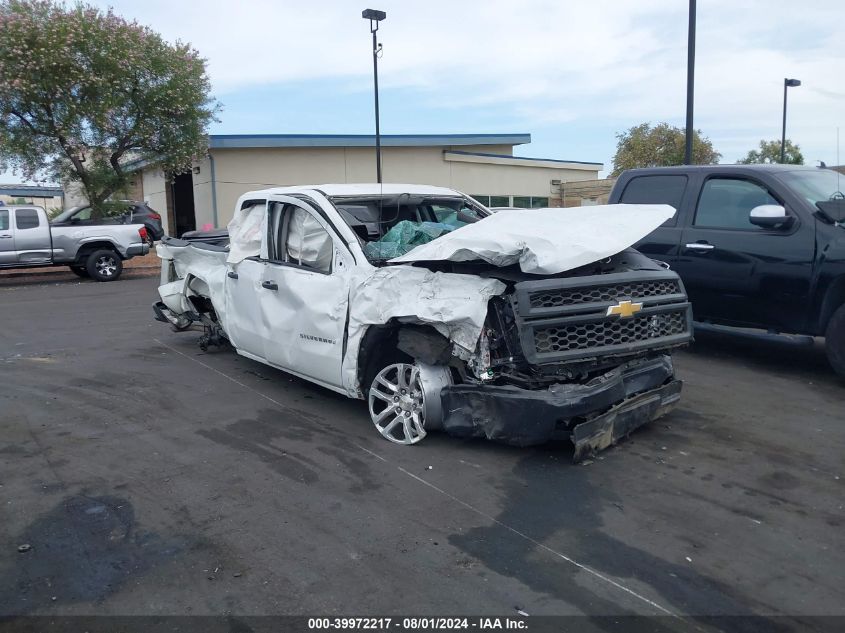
(104, 265)
(834, 342)
(79, 271)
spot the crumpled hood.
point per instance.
(546, 241)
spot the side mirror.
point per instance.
(770, 216)
(74, 220)
(832, 211)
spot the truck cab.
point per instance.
(24, 236)
(752, 244)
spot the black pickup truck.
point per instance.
(760, 246)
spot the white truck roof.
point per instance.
(362, 189)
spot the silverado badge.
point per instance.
(624, 309)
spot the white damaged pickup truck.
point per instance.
(521, 326)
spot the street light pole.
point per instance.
(787, 83)
(690, 82)
(375, 16)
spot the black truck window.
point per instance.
(664, 189)
(727, 203)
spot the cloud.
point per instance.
(544, 62)
(549, 67)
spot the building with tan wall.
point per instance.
(482, 165)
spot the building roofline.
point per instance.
(545, 160)
(236, 141)
(32, 191)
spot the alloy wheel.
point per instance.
(397, 404)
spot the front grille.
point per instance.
(574, 296)
(597, 335)
(570, 319)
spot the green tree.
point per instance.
(659, 146)
(769, 152)
(84, 91)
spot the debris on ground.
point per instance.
(24, 548)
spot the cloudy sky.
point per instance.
(573, 74)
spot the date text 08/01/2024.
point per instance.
(415, 624)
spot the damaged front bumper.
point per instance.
(593, 415)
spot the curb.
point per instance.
(138, 271)
(60, 272)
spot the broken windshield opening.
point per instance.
(391, 226)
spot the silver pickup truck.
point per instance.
(27, 240)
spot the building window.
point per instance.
(530, 202)
(523, 202)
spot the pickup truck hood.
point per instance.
(545, 241)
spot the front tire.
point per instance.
(104, 265)
(404, 400)
(834, 341)
(396, 404)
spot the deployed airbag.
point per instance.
(309, 244)
(546, 241)
(404, 237)
(246, 230)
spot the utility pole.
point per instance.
(690, 82)
(375, 16)
(787, 83)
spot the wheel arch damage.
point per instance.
(419, 304)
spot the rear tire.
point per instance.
(150, 239)
(79, 271)
(834, 342)
(104, 265)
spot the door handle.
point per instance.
(232, 274)
(700, 246)
(270, 285)
(5, 236)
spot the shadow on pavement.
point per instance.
(768, 353)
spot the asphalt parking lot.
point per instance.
(151, 478)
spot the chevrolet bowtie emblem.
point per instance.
(624, 309)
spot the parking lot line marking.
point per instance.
(548, 549)
(571, 561)
(217, 371)
(366, 450)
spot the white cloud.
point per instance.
(611, 63)
(547, 62)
